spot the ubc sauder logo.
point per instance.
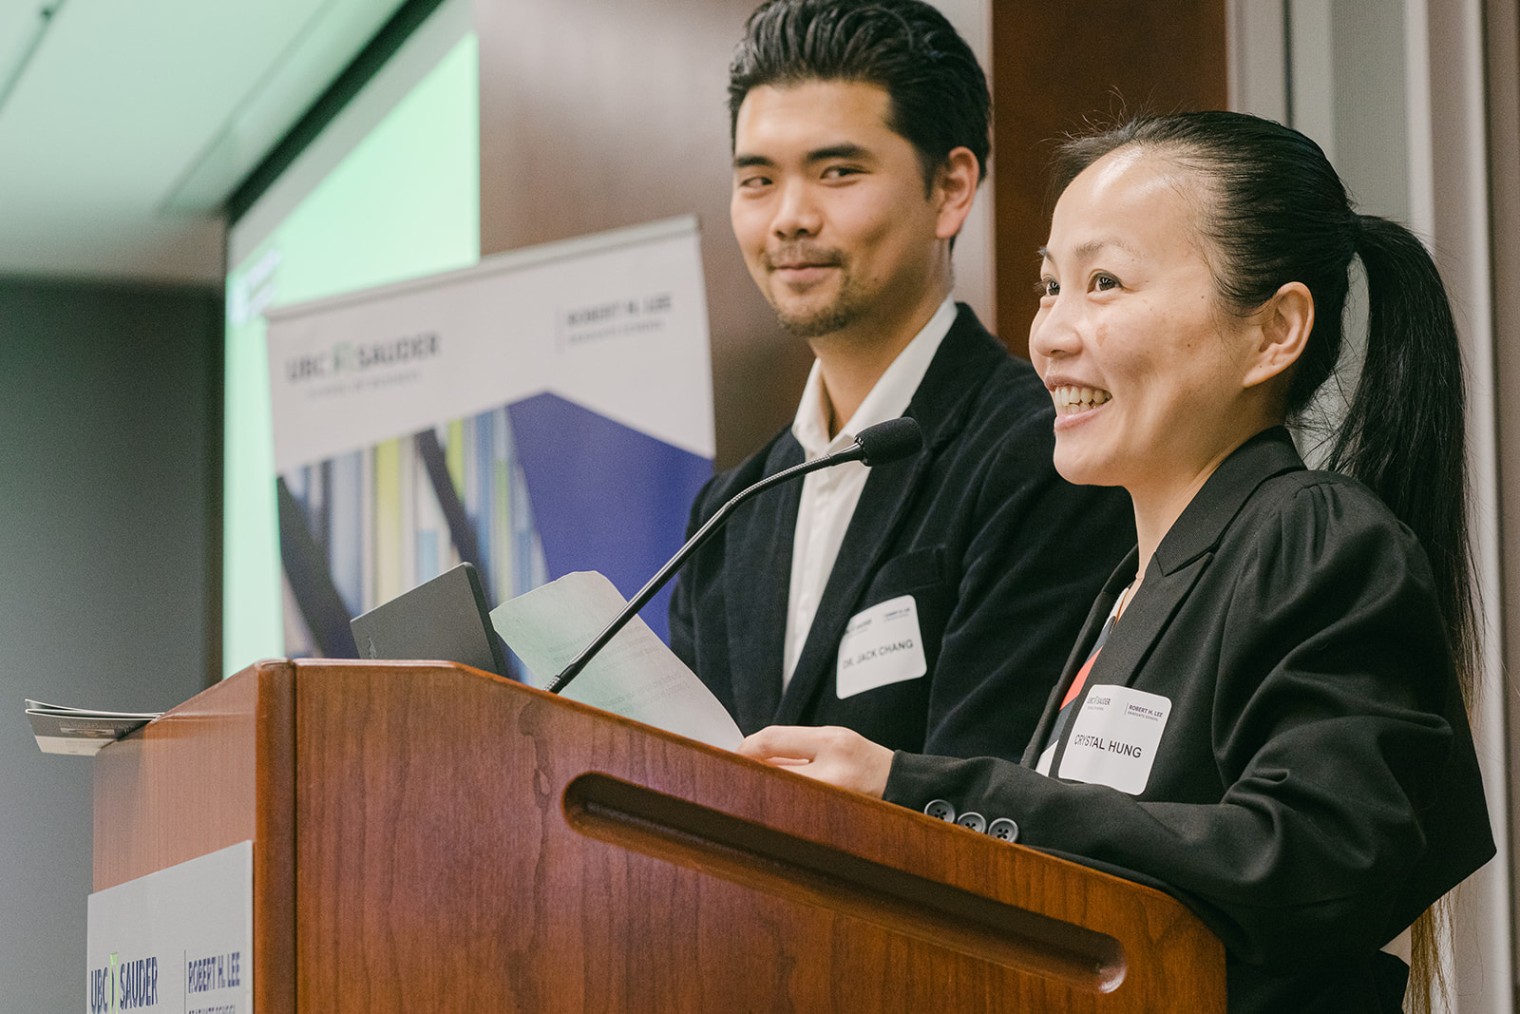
(123, 985)
(348, 358)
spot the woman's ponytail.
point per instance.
(1403, 434)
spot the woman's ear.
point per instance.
(1284, 323)
(954, 191)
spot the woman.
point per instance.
(1265, 710)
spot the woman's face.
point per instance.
(1147, 369)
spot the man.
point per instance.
(927, 604)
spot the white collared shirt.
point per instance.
(829, 496)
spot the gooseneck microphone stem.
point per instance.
(639, 601)
(875, 445)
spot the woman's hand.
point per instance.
(830, 754)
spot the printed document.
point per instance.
(635, 675)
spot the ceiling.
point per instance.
(124, 125)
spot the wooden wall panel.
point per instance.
(597, 114)
(1055, 66)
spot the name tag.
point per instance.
(1114, 739)
(881, 645)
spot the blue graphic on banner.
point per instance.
(605, 496)
(526, 492)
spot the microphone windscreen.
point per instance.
(890, 441)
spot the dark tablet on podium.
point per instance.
(445, 618)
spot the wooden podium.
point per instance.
(431, 838)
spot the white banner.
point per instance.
(177, 940)
(545, 412)
(615, 322)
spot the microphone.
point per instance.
(875, 445)
(880, 444)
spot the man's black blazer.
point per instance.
(1001, 556)
(1315, 786)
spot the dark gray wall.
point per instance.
(109, 434)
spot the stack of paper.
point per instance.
(636, 676)
(80, 731)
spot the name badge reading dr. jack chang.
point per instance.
(881, 645)
(1113, 742)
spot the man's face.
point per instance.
(830, 210)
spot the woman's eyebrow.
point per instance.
(1092, 248)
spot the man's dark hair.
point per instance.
(938, 92)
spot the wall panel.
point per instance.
(603, 113)
(1057, 66)
(108, 547)
(597, 114)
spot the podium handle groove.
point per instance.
(693, 835)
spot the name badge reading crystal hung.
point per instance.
(1114, 739)
(881, 645)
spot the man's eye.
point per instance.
(1103, 283)
(1047, 287)
(753, 182)
(835, 172)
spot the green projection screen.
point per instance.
(388, 191)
